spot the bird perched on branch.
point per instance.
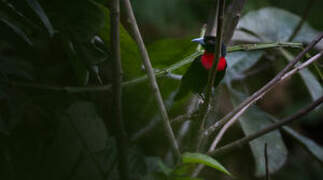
(196, 77)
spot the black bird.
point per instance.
(196, 77)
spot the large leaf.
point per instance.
(130, 56)
(189, 158)
(252, 121)
(79, 20)
(239, 62)
(167, 52)
(312, 147)
(274, 24)
(313, 86)
(89, 125)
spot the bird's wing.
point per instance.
(193, 80)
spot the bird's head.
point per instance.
(208, 43)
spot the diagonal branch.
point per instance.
(151, 76)
(239, 143)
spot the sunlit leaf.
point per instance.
(188, 158)
(252, 121)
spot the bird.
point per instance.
(196, 77)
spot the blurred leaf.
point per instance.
(274, 24)
(312, 147)
(183, 169)
(80, 70)
(131, 59)
(15, 67)
(17, 30)
(166, 170)
(42, 15)
(188, 158)
(239, 62)
(167, 52)
(185, 178)
(313, 86)
(89, 125)
(253, 120)
(78, 20)
(64, 154)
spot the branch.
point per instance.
(171, 68)
(231, 19)
(263, 90)
(117, 89)
(211, 28)
(151, 76)
(239, 143)
(205, 109)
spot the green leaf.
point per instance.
(89, 125)
(167, 52)
(274, 24)
(253, 120)
(166, 170)
(78, 20)
(188, 158)
(185, 178)
(130, 56)
(310, 146)
(34, 4)
(80, 69)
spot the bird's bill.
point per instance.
(199, 40)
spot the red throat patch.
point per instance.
(207, 61)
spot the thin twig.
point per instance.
(302, 21)
(151, 76)
(232, 17)
(265, 88)
(117, 89)
(239, 143)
